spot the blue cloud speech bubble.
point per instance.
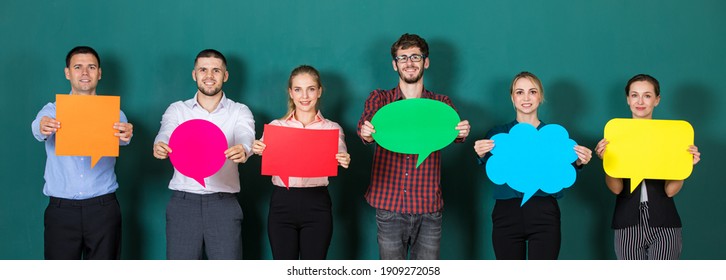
(529, 159)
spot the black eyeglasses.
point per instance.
(413, 57)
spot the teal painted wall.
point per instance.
(584, 51)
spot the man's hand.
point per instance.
(464, 128)
(161, 150)
(125, 131)
(366, 131)
(48, 125)
(236, 153)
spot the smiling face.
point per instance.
(408, 71)
(642, 99)
(84, 73)
(526, 96)
(305, 92)
(210, 74)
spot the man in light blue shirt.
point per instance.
(83, 217)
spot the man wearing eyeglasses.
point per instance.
(407, 199)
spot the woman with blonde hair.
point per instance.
(300, 220)
(532, 230)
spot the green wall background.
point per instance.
(584, 51)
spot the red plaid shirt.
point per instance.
(396, 184)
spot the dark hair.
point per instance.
(407, 41)
(211, 53)
(81, 50)
(302, 69)
(643, 78)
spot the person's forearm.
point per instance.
(614, 184)
(673, 187)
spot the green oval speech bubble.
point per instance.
(415, 126)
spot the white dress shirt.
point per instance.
(238, 125)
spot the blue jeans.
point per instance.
(397, 232)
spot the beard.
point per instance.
(413, 79)
(209, 92)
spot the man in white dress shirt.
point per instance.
(207, 219)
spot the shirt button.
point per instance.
(408, 157)
(406, 173)
(404, 191)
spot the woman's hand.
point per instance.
(600, 148)
(584, 155)
(696, 155)
(343, 159)
(482, 147)
(258, 147)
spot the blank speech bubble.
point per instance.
(648, 149)
(528, 159)
(87, 126)
(415, 126)
(296, 152)
(197, 149)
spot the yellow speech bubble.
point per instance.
(648, 149)
(87, 126)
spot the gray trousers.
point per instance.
(197, 224)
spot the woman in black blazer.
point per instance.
(646, 224)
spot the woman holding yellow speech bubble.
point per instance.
(647, 225)
(300, 221)
(530, 230)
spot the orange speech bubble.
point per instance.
(87, 126)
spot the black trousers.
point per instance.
(83, 229)
(300, 223)
(531, 231)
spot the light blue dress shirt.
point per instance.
(72, 177)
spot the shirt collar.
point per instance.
(399, 93)
(318, 117)
(541, 123)
(194, 103)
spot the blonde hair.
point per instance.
(302, 69)
(532, 78)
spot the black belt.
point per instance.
(57, 201)
(202, 197)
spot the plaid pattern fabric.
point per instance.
(396, 184)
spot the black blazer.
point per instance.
(661, 208)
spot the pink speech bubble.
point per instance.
(197, 149)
